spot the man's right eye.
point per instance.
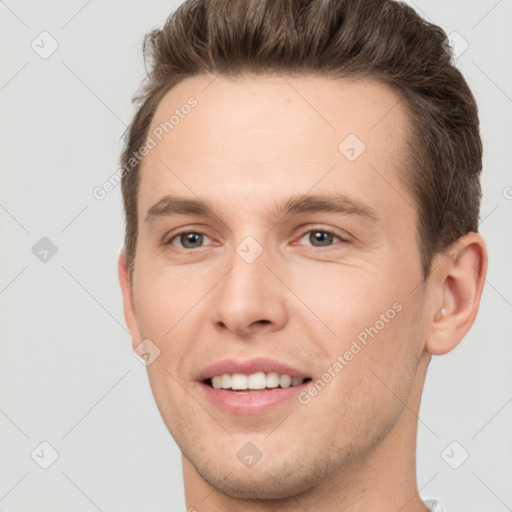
(188, 240)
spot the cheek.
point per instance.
(348, 300)
(384, 371)
(174, 404)
(374, 328)
(367, 396)
(163, 299)
(168, 308)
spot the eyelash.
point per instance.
(311, 230)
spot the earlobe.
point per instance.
(460, 277)
(128, 301)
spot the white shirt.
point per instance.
(434, 506)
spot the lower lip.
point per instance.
(250, 403)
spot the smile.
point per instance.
(254, 382)
(251, 386)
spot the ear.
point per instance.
(128, 302)
(457, 282)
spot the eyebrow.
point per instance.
(171, 205)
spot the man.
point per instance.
(301, 190)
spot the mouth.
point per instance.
(255, 382)
(251, 386)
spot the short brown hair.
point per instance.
(384, 40)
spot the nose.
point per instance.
(251, 299)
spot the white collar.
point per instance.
(434, 506)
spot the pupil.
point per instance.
(189, 240)
(321, 237)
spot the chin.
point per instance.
(263, 485)
(267, 480)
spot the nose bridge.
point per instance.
(250, 295)
(249, 270)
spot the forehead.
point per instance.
(276, 135)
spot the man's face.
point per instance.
(262, 288)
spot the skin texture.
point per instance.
(249, 144)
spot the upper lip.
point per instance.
(248, 366)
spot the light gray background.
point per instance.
(68, 375)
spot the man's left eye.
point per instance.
(320, 238)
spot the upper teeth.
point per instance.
(258, 380)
